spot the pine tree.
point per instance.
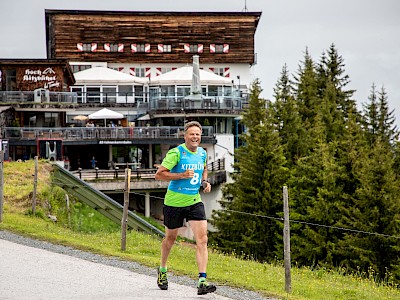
(375, 209)
(317, 185)
(288, 121)
(306, 90)
(371, 116)
(386, 126)
(256, 190)
(331, 70)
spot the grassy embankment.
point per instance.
(92, 232)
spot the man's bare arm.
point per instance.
(164, 174)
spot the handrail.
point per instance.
(137, 173)
(99, 201)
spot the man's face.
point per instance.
(193, 138)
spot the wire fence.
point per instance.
(282, 219)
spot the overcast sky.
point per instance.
(366, 34)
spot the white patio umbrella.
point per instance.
(105, 114)
(80, 118)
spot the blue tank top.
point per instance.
(188, 160)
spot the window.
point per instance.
(140, 47)
(139, 93)
(219, 48)
(182, 91)
(219, 71)
(143, 48)
(125, 90)
(79, 91)
(11, 80)
(193, 48)
(125, 94)
(77, 68)
(140, 72)
(167, 90)
(93, 95)
(165, 70)
(109, 94)
(214, 90)
(86, 47)
(167, 48)
(113, 47)
(51, 119)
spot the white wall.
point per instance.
(224, 149)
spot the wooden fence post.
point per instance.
(1, 185)
(286, 241)
(68, 211)
(35, 178)
(126, 206)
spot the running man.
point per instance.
(186, 168)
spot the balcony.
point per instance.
(103, 135)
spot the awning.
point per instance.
(184, 75)
(144, 118)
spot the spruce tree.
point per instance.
(288, 120)
(371, 116)
(386, 122)
(331, 70)
(374, 209)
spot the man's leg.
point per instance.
(199, 229)
(167, 243)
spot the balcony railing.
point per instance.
(32, 97)
(156, 102)
(184, 103)
(98, 133)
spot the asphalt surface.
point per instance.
(31, 273)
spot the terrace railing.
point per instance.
(142, 103)
(32, 97)
(98, 133)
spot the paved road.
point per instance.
(31, 273)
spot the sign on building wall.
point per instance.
(31, 78)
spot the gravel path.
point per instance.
(225, 291)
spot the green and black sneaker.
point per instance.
(204, 287)
(162, 280)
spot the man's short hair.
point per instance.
(191, 124)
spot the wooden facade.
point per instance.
(68, 31)
(31, 74)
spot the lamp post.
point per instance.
(238, 77)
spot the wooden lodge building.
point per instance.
(137, 64)
(131, 77)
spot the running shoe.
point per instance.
(162, 280)
(204, 288)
